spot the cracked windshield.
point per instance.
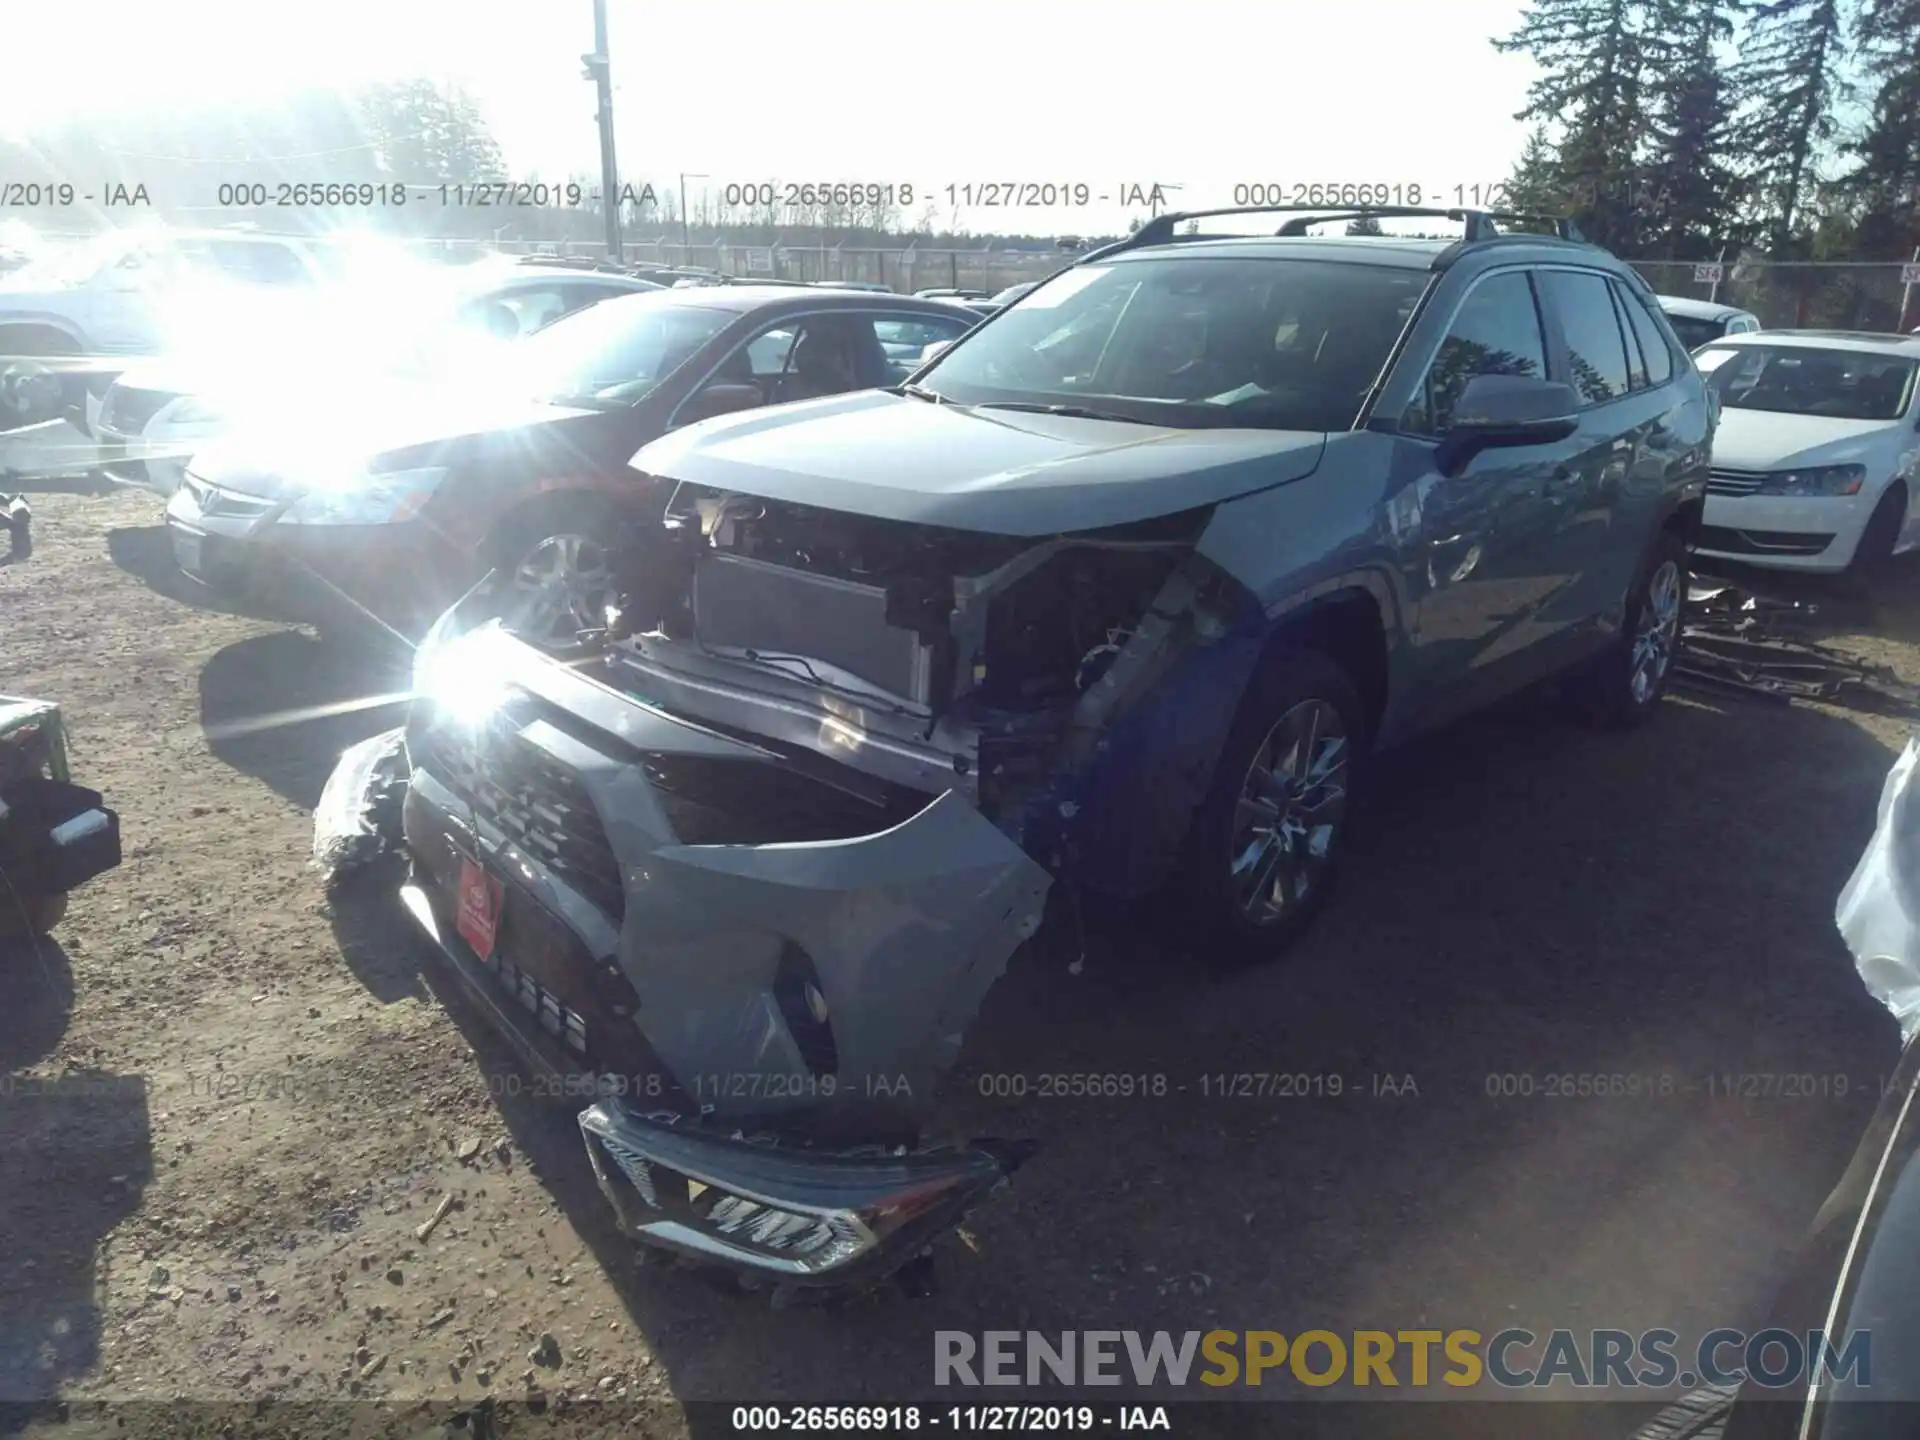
(987, 758)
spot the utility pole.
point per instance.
(599, 70)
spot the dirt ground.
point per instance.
(228, 1110)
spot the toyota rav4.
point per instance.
(1115, 596)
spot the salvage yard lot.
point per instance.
(233, 1107)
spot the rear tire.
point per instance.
(1265, 845)
(1623, 687)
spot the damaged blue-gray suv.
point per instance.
(1117, 594)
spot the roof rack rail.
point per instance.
(1164, 229)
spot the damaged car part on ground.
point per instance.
(1743, 642)
(54, 835)
(1114, 595)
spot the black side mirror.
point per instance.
(1508, 410)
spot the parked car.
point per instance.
(413, 493)
(868, 285)
(1817, 449)
(1701, 322)
(956, 294)
(102, 297)
(1117, 594)
(54, 835)
(995, 304)
(158, 412)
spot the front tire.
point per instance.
(1266, 840)
(1623, 687)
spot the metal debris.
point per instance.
(1740, 642)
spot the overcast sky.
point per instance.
(1204, 93)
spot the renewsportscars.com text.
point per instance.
(1509, 1359)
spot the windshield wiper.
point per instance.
(920, 392)
(1072, 412)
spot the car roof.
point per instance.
(1406, 252)
(1872, 342)
(755, 298)
(1691, 309)
(536, 276)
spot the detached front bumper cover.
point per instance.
(800, 1216)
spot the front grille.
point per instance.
(532, 799)
(1735, 482)
(128, 410)
(566, 1026)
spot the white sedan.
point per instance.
(1817, 453)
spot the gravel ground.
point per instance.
(230, 1110)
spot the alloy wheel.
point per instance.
(1657, 634)
(1291, 805)
(560, 587)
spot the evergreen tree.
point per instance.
(1365, 225)
(1593, 56)
(1691, 188)
(424, 134)
(1791, 80)
(1886, 181)
(1534, 187)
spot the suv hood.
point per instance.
(1003, 472)
(1770, 440)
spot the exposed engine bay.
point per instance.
(754, 853)
(1006, 657)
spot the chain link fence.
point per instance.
(1805, 294)
(904, 269)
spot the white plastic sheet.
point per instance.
(353, 824)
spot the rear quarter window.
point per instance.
(1653, 343)
(1596, 350)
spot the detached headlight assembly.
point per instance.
(373, 500)
(1816, 481)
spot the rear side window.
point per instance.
(1497, 332)
(1636, 362)
(1596, 351)
(1653, 345)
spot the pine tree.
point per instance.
(1791, 80)
(1887, 179)
(1593, 56)
(1365, 225)
(423, 133)
(1534, 188)
(1691, 188)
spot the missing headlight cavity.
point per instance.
(1048, 635)
(803, 1005)
(731, 802)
